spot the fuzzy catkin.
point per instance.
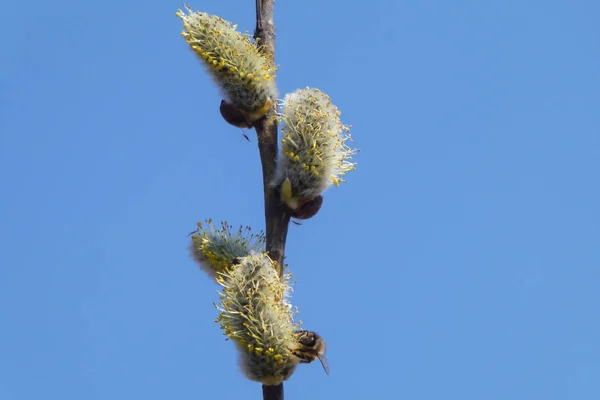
(217, 248)
(244, 74)
(256, 315)
(314, 153)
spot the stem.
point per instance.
(273, 392)
(276, 219)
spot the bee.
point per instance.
(310, 347)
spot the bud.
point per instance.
(216, 249)
(244, 74)
(256, 315)
(234, 116)
(308, 209)
(314, 153)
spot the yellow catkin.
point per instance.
(245, 75)
(314, 148)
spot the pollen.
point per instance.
(314, 133)
(259, 319)
(249, 83)
(216, 248)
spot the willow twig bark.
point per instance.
(273, 392)
(276, 219)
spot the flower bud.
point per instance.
(245, 75)
(216, 249)
(314, 153)
(256, 315)
(234, 116)
(308, 208)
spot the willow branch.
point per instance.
(273, 392)
(276, 219)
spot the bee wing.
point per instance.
(324, 363)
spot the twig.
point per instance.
(273, 392)
(276, 219)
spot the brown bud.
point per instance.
(308, 208)
(234, 116)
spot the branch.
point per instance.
(273, 392)
(276, 219)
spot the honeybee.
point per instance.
(310, 347)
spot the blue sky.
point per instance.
(460, 261)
